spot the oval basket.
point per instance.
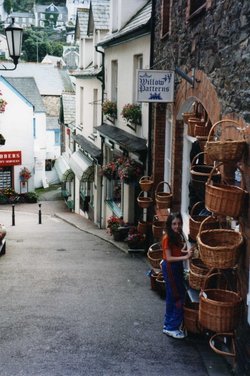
(158, 227)
(219, 248)
(163, 199)
(195, 220)
(146, 183)
(224, 199)
(219, 310)
(197, 273)
(229, 149)
(154, 255)
(200, 174)
(143, 201)
(191, 316)
(161, 285)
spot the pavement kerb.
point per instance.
(97, 232)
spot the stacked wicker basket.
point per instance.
(219, 248)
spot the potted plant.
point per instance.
(132, 113)
(3, 103)
(136, 240)
(130, 170)
(109, 109)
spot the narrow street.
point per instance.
(72, 304)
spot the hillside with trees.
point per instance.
(27, 5)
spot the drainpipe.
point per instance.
(150, 104)
(101, 77)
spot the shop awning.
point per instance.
(124, 139)
(63, 169)
(87, 146)
(81, 166)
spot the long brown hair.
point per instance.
(174, 238)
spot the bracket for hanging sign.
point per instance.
(191, 80)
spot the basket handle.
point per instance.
(220, 352)
(228, 279)
(162, 182)
(220, 164)
(145, 178)
(196, 205)
(212, 273)
(208, 219)
(222, 121)
(196, 157)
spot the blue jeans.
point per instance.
(175, 294)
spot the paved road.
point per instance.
(73, 304)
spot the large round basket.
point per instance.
(197, 273)
(224, 199)
(144, 201)
(163, 199)
(146, 183)
(195, 220)
(154, 255)
(200, 174)
(219, 248)
(158, 228)
(228, 144)
(191, 315)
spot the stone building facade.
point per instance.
(208, 39)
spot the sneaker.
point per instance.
(178, 334)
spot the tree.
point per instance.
(7, 5)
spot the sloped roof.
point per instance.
(140, 22)
(87, 146)
(49, 79)
(28, 88)
(82, 20)
(99, 15)
(52, 123)
(69, 108)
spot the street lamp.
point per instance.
(14, 35)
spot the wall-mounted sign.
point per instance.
(10, 158)
(155, 85)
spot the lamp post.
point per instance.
(14, 35)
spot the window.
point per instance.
(165, 17)
(34, 127)
(138, 64)
(95, 96)
(57, 137)
(114, 79)
(81, 105)
(196, 7)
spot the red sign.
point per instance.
(10, 158)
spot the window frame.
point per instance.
(166, 6)
(199, 10)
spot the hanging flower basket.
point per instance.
(109, 109)
(130, 170)
(132, 113)
(25, 175)
(3, 103)
(2, 140)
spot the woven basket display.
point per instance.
(161, 285)
(188, 115)
(191, 317)
(146, 183)
(200, 174)
(163, 199)
(192, 122)
(224, 199)
(219, 248)
(153, 276)
(144, 201)
(143, 227)
(221, 147)
(202, 130)
(158, 227)
(197, 274)
(154, 255)
(195, 220)
(219, 309)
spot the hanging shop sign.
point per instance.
(10, 158)
(155, 85)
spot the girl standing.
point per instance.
(174, 253)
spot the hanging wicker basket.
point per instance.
(158, 228)
(191, 317)
(219, 248)
(143, 227)
(228, 149)
(195, 220)
(154, 255)
(192, 122)
(202, 130)
(163, 199)
(200, 174)
(224, 199)
(146, 183)
(197, 273)
(188, 115)
(219, 309)
(161, 285)
(144, 201)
